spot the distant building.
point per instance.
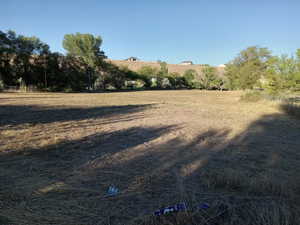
(186, 63)
(222, 66)
(132, 59)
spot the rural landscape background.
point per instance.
(220, 139)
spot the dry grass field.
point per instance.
(59, 153)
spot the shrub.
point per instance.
(210, 80)
(173, 79)
(189, 77)
(146, 73)
(1, 85)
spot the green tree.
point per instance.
(147, 73)
(210, 80)
(189, 76)
(174, 79)
(140, 77)
(283, 73)
(162, 74)
(86, 47)
(246, 70)
(18, 55)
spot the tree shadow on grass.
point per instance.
(14, 115)
(251, 179)
(32, 175)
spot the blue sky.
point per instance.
(204, 31)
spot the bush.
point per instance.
(1, 85)
(253, 96)
(210, 80)
(146, 73)
(189, 77)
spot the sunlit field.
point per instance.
(59, 153)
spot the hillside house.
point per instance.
(186, 63)
(132, 59)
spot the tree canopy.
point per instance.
(247, 68)
(84, 46)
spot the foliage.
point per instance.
(86, 47)
(283, 74)
(1, 85)
(18, 58)
(174, 80)
(146, 73)
(112, 76)
(189, 76)
(161, 75)
(28, 62)
(246, 70)
(210, 80)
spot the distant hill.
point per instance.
(136, 65)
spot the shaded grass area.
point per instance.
(31, 114)
(249, 178)
(291, 108)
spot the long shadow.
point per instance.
(294, 99)
(27, 175)
(257, 166)
(257, 171)
(29, 97)
(31, 114)
(66, 183)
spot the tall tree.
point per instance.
(86, 47)
(245, 71)
(18, 55)
(283, 74)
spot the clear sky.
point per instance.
(204, 31)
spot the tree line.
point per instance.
(27, 62)
(256, 67)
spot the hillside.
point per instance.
(136, 65)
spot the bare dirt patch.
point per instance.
(60, 152)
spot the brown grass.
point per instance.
(60, 152)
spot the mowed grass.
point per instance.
(59, 153)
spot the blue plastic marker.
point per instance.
(174, 208)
